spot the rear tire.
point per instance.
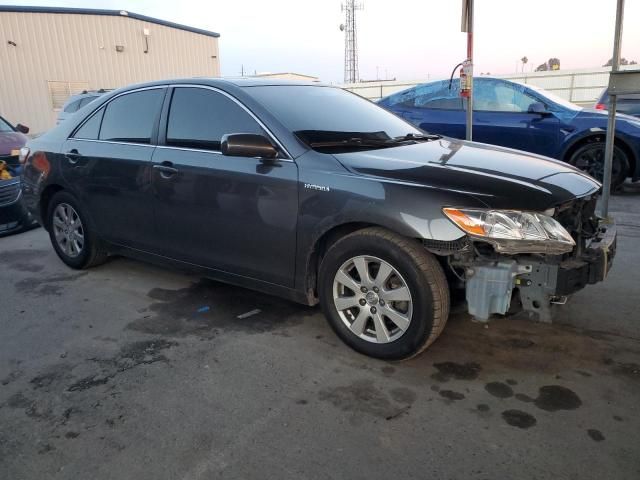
(72, 234)
(397, 307)
(589, 157)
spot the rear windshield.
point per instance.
(629, 106)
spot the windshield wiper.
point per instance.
(351, 142)
(415, 136)
(373, 142)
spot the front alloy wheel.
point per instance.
(383, 294)
(372, 299)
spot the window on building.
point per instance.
(198, 118)
(131, 117)
(59, 92)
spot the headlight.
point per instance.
(511, 231)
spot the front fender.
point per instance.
(333, 197)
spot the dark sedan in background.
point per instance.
(318, 195)
(524, 117)
(14, 216)
(628, 104)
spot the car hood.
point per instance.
(11, 141)
(499, 177)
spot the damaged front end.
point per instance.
(513, 260)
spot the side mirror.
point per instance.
(22, 128)
(247, 145)
(539, 108)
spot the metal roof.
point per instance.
(111, 13)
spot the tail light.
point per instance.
(23, 154)
(601, 106)
(41, 163)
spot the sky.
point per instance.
(402, 39)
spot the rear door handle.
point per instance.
(73, 156)
(166, 169)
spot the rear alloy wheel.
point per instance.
(68, 230)
(71, 233)
(590, 158)
(384, 295)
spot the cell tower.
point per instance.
(350, 40)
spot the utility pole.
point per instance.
(467, 26)
(350, 40)
(611, 122)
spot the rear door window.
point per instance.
(442, 95)
(132, 117)
(199, 117)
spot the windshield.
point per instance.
(555, 98)
(4, 126)
(323, 114)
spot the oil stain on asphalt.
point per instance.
(206, 306)
(499, 389)
(22, 260)
(131, 355)
(458, 371)
(554, 397)
(47, 285)
(518, 418)
(363, 397)
(451, 395)
(596, 435)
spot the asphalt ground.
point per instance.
(133, 371)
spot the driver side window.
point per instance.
(199, 117)
(491, 95)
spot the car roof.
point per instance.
(226, 82)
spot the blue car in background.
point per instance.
(524, 117)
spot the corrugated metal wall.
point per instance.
(81, 49)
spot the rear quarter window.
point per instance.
(90, 130)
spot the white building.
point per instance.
(47, 54)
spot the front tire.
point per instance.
(71, 233)
(384, 295)
(590, 158)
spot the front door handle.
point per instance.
(73, 156)
(166, 169)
